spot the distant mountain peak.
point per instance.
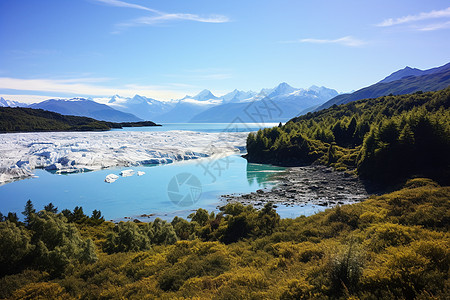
(3, 102)
(204, 95)
(282, 89)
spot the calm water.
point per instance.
(161, 192)
(146, 194)
(204, 127)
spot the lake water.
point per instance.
(204, 127)
(163, 191)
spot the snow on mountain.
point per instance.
(238, 96)
(86, 108)
(145, 108)
(10, 103)
(202, 96)
(283, 101)
(282, 89)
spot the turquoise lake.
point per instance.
(205, 127)
(158, 193)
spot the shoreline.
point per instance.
(313, 186)
(306, 185)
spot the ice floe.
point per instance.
(111, 178)
(127, 173)
(21, 153)
(140, 173)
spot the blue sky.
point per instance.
(166, 49)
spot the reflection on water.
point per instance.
(137, 195)
(261, 174)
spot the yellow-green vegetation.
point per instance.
(394, 246)
(387, 139)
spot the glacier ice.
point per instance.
(21, 153)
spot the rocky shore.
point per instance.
(316, 185)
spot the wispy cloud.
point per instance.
(159, 16)
(119, 3)
(345, 41)
(444, 13)
(87, 87)
(202, 74)
(434, 26)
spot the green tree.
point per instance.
(51, 208)
(28, 212)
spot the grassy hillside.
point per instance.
(394, 246)
(407, 85)
(387, 139)
(28, 119)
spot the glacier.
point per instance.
(64, 152)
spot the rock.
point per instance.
(111, 178)
(339, 187)
(260, 191)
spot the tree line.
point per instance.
(387, 139)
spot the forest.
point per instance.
(385, 140)
(19, 119)
(394, 246)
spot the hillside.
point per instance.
(408, 71)
(85, 108)
(394, 246)
(433, 80)
(387, 139)
(29, 119)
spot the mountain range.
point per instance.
(86, 108)
(277, 104)
(398, 83)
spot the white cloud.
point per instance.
(118, 3)
(435, 26)
(345, 41)
(444, 13)
(159, 16)
(88, 87)
(202, 74)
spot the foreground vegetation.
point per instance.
(387, 139)
(391, 246)
(19, 119)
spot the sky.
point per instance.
(167, 49)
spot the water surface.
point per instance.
(148, 194)
(204, 127)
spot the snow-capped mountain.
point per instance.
(202, 96)
(271, 105)
(190, 106)
(238, 96)
(10, 103)
(281, 90)
(86, 108)
(145, 108)
(203, 107)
